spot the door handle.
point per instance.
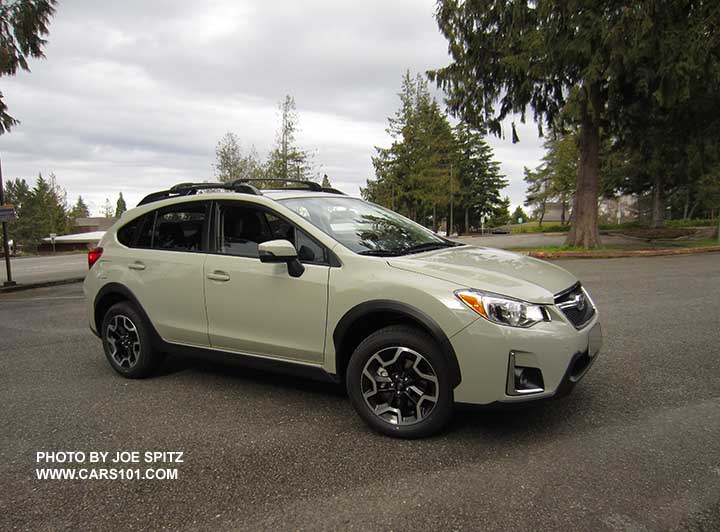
(136, 266)
(217, 275)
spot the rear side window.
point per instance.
(180, 228)
(126, 234)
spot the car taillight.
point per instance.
(93, 255)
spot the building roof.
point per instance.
(78, 238)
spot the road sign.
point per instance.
(7, 213)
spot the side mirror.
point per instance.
(276, 251)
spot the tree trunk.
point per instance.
(542, 214)
(658, 203)
(435, 224)
(467, 221)
(562, 213)
(584, 230)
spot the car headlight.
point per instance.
(503, 310)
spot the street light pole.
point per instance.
(6, 246)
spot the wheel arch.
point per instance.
(370, 316)
(113, 293)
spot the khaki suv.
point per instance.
(315, 282)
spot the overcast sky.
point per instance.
(134, 95)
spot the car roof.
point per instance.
(265, 198)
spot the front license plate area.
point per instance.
(595, 340)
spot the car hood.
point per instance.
(492, 270)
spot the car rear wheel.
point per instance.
(398, 382)
(127, 343)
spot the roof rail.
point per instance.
(242, 186)
(310, 185)
(305, 184)
(188, 189)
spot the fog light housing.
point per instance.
(523, 380)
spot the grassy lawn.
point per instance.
(658, 244)
(672, 229)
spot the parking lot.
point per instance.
(636, 447)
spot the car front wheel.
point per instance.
(398, 382)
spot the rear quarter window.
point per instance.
(127, 233)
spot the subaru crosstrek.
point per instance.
(315, 282)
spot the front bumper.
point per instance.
(488, 354)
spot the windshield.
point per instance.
(366, 228)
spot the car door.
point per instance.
(165, 270)
(258, 308)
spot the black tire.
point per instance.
(133, 357)
(412, 342)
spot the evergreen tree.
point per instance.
(413, 175)
(431, 168)
(23, 230)
(79, 210)
(41, 210)
(500, 214)
(604, 66)
(287, 160)
(326, 182)
(479, 175)
(23, 24)
(120, 206)
(517, 215)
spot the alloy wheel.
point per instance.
(399, 385)
(123, 341)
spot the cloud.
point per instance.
(134, 95)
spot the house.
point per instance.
(92, 224)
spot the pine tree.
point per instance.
(479, 175)
(518, 214)
(287, 160)
(41, 210)
(500, 214)
(326, 182)
(79, 210)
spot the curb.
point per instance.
(621, 254)
(43, 284)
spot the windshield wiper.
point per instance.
(429, 246)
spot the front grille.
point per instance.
(575, 304)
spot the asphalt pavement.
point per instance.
(635, 447)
